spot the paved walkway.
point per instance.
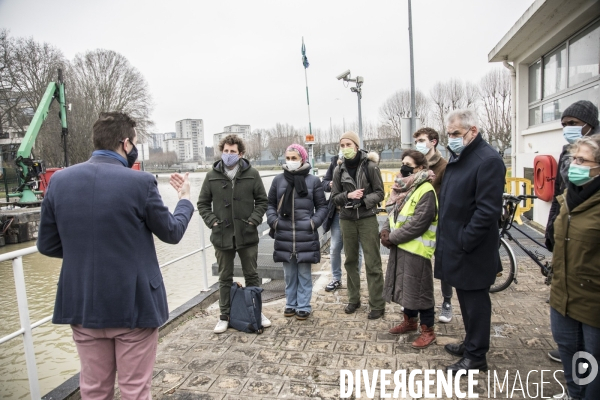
(302, 359)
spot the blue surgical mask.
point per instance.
(422, 147)
(579, 175)
(230, 159)
(572, 133)
(456, 144)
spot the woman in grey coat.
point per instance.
(409, 233)
(297, 207)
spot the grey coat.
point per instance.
(409, 277)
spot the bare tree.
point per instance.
(494, 91)
(448, 96)
(103, 80)
(160, 159)
(280, 137)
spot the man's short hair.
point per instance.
(112, 128)
(466, 118)
(231, 140)
(431, 135)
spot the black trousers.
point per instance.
(427, 316)
(476, 309)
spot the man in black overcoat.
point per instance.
(466, 254)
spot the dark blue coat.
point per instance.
(100, 217)
(470, 205)
(299, 236)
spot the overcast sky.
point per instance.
(239, 61)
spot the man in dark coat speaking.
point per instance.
(100, 217)
(467, 240)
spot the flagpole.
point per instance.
(310, 145)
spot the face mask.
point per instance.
(230, 159)
(132, 156)
(293, 165)
(422, 147)
(348, 152)
(406, 170)
(572, 133)
(579, 175)
(456, 144)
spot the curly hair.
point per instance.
(431, 133)
(231, 140)
(417, 156)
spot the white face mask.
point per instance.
(293, 165)
(422, 148)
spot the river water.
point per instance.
(56, 355)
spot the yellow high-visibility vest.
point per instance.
(424, 245)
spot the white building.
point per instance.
(555, 50)
(188, 132)
(241, 130)
(156, 140)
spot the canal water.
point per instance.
(56, 355)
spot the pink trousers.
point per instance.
(103, 352)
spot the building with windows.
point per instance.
(157, 140)
(554, 49)
(188, 142)
(240, 130)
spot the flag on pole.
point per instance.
(304, 59)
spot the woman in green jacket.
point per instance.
(575, 292)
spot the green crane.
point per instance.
(29, 169)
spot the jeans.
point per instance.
(335, 249)
(366, 232)
(298, 285)
(573, 336)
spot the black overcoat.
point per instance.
(467, 239)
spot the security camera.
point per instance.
(343, 75)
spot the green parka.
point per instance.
(576, 261)
(233, 205)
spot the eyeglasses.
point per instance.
(455, 134)
(581, 160)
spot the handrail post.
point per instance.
(34, 386)
(204, 267)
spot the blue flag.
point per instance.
(304, 59)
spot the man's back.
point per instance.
(100, 218)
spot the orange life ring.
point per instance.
(544, 174)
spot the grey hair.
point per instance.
(593, 142)
(465, 117)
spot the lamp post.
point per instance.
(359, 80)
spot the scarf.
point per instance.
(295, 180)
(231, 172)
(352, 164)
(578, 194)
(404, 187)
(435, 157)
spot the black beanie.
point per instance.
(584, 110)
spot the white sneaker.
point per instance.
(265, 322)
(446, 314)
(222, 326)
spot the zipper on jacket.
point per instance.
(293, 227)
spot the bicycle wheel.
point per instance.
(506, 276)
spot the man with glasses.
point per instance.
(101, 217)
(578, 120)
(467, 238)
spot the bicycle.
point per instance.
(506, 254)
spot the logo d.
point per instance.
(582, 367)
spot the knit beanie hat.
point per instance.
(300, 150)
(584, 110)
(352, 136)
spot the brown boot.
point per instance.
(408, 325)
(427, 337)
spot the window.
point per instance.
(569, 73)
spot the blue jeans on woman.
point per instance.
(573, 336)
(335, 249)
(298, 285)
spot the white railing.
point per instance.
(27, 326)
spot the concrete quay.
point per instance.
(302, 359)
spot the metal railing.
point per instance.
(27, 326)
